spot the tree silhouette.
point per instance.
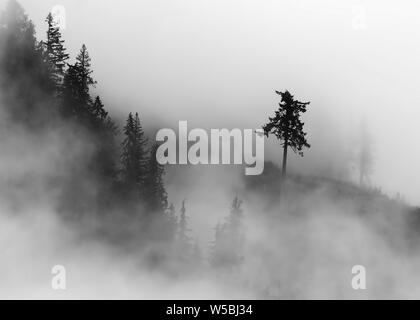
(287, 126)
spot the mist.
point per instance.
(217, 64)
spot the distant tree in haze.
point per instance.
(155, 193)
(183, 238)
(227, 249)
(134, 158)
(287, 126)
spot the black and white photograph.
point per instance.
(234, 150)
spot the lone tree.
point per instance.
(287, 126)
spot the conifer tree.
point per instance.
(83, 65)
(287, 126)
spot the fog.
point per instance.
(216, 64)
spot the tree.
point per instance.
(287, 126)
(155, 193)
(84, 66)
(134, 157)
(55, 52)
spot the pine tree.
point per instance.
(155, 193)
(134, 157)
(55, 52)
(287, 126)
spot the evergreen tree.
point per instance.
(155, 193)
(55, 52)
(134, 157)
(83, 64)
(287, 126)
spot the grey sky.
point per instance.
(217, 63)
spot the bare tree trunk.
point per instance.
(284, 159)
